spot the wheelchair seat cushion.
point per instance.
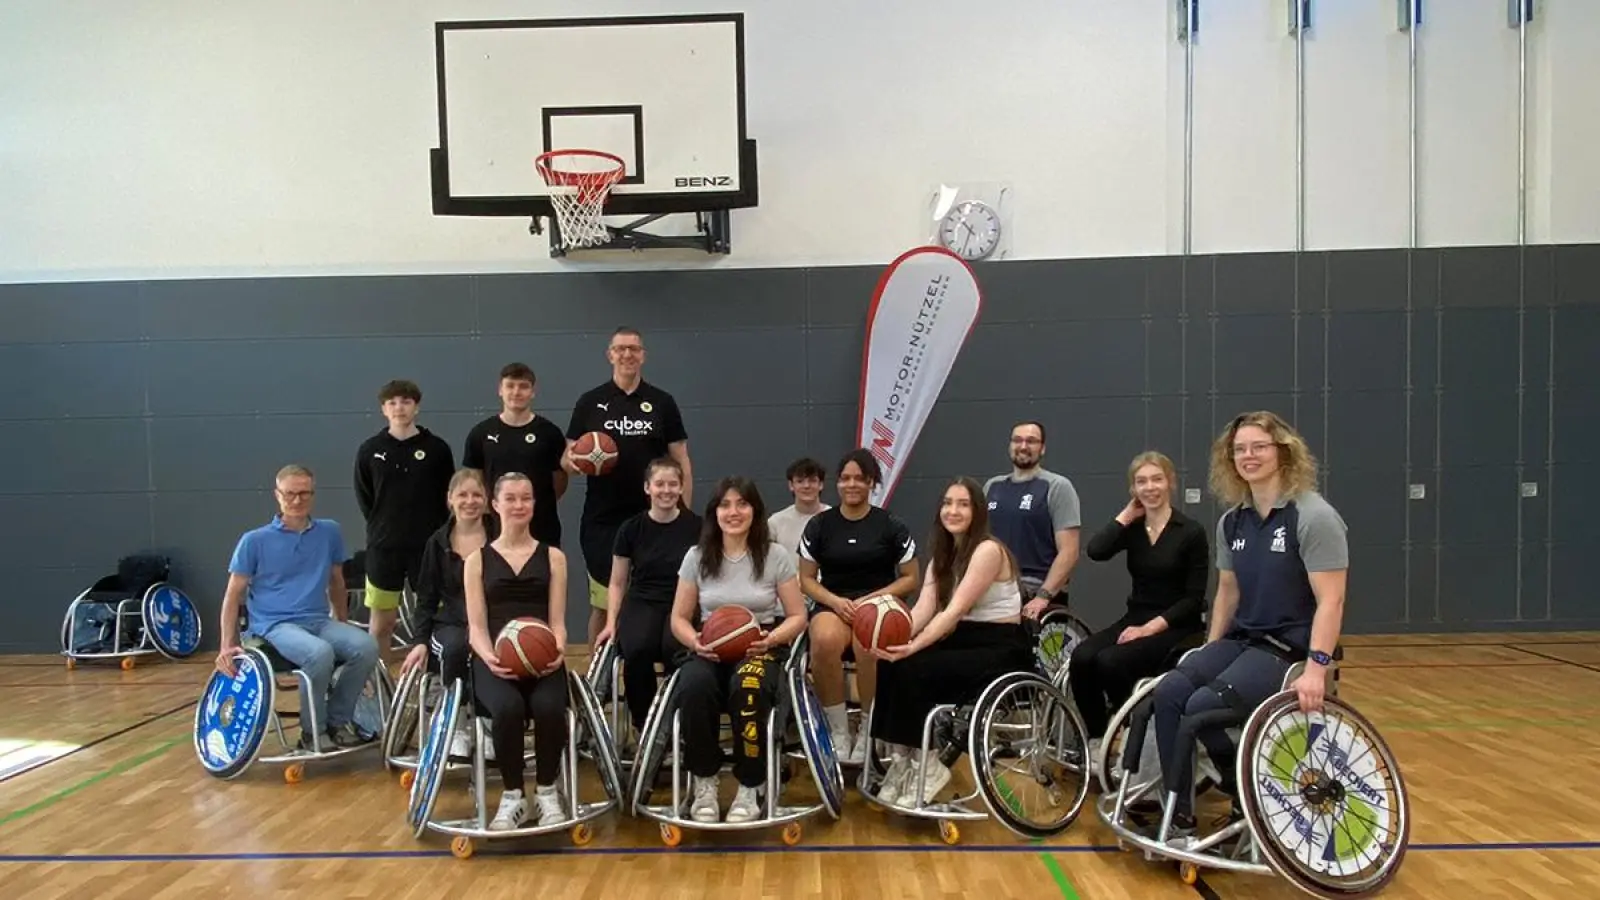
(280, 663)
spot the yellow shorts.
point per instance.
(376, 598)
(599, 594)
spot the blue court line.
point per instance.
(289, 856)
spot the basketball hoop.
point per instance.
(578, 192)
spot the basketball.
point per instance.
(595, 453)
(882, 622)
(729, 632)
(526, 646)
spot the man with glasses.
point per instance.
(289, 575)
(645, 423)
(1035, 513)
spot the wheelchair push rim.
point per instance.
(431, 760)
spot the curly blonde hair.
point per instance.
(1297, 468)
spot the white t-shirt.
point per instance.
(789, 525)
(737, 584)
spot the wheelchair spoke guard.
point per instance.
(233, 714)
(431, 760)
(816, 742)
(172, 621)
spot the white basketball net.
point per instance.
(578, 191)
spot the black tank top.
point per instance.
(512, 595)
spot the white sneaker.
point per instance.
(1092, 764)
(461, 745)
(512, 813)
(856, 750)
(746, 806)
(936, 776)
(704, 807)
(894, 781)
(550, 811)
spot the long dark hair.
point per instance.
(711, 531)
(951, 554)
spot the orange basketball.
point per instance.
(729, 632)
(595, 453)
(526, 646)
(882, 622)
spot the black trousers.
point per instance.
(644, 638)
(511, 704)
(747, 691)
(955, 670)
(1103, 672)
(449, 645)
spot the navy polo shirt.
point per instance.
(1025, 516)
(1271, 557)
(288, 571)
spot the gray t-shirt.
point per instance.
(737, 584)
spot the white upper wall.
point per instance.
(176, 139)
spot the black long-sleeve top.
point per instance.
(441, 590)
(1169, 578)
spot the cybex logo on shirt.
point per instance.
(629, 427)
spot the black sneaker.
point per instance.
(348, 735)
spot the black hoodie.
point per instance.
(441, 593)
(402, 487)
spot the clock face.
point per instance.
(971, 230)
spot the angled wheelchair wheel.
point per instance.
(431, 760)
(1028, 751)
(1060, 632)
(816, 742)
(601, 665)
(653, 741)
(233, 715)
(597, 734)
(404, 710)
(1323, 797)
(171, 621)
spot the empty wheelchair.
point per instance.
(1026, 750)
(1321, 801)
(234, 714)
(592, 741)
(794, 724)
(131, 613)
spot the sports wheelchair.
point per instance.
(1326, 778)
(594, 739)
(795, 727)
(1024, 741)
(131, 613)
(233, 715)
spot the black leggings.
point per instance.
(644, 638)
(449, 645)
(747, 691)
(955, 670)
(1103, 672)
(510, 704)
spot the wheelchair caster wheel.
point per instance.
(127, 664)
(671, 835)
(294, 774)
(582, 835)
(461, 847)
(792, 833)
(407, 778)
(1188, 873)
(71, 664)
(949, 833)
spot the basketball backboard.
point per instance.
(664, 93)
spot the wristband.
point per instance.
(1320, 658)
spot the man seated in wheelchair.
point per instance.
(517, 576)
(966, 632)
(736, 563)
(1282, 560)
(289, 576)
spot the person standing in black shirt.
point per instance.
(402, 475)
(848, 553)
(1169, 559)
(646, 424)
(520, 440)
(644, 571)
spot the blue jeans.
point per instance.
(315, 648)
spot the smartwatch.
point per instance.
(1320, 658)
(1045, 592)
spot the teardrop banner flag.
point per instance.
(925, 306)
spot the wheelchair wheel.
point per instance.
(404, 709)
(1060, 632)
(1028, 751)
(1323, 796)
(653, 741)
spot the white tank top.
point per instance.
(1002, 602)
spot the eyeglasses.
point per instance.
(296, 495)
(1259, 448)
(627, 348)
(1026, 440)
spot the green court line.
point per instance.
(63, 794)
(1064, 884)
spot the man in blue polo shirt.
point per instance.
(289, 574)
(1035, 513)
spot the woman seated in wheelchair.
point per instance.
(516, 576)
(1169, 562)
(1282, 558)
(439, 624)
(735, 563)
(966, 631)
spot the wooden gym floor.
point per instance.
(101, 796)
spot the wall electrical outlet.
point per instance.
(1417, 492)
(1191, 495)
(1530, 489)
